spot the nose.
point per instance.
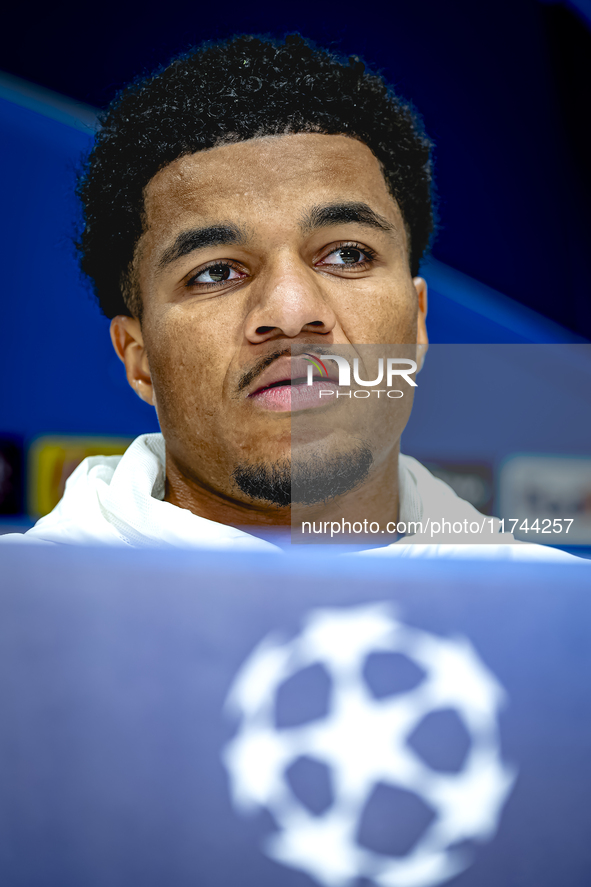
(289, 301)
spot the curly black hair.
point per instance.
(229, 91)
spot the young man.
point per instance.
(253, 209)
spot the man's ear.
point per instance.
(128, 342)
(422, 338)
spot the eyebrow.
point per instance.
(321, 216)
(198, 238)
(343, 213)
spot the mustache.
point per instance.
(261, 365)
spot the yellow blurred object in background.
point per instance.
(52, 460)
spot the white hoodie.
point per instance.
(118, 500)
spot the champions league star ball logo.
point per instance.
(364, 743)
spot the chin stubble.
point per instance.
(307, 481)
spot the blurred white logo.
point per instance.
(363, 741)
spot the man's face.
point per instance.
(251, 248)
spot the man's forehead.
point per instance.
(290, 172)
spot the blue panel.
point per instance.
(116, 669)
(485, 402)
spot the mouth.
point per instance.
(284, 387)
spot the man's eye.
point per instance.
(215, 274)
(348, 255)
